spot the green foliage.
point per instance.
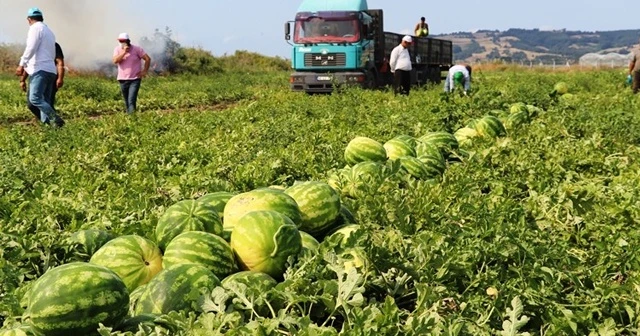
(535, 232)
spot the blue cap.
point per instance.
(34, 11)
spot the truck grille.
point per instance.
(329, 59)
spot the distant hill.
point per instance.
(537, 45)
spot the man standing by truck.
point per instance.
(400, 64)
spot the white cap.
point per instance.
(123, 36)
(407, 39)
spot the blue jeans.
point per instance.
(41, 86)
(129, 89)
(51, 99)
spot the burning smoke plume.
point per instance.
(86, 29)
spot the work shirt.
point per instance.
(449, 83)
(400, 59)
(40, 53)
(131, 64)
(636, 58)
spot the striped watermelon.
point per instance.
(338, 178)
(517, 107)
(177, 288)
(134, 297)
(362, 149)
(264, 240)
(202, 248)
(185, 216)
(217, 200)
(490, 126)
(409, 140)
(319, 205)
(73, 299)
(517, 119)
(444, 141)
(260, 199)
(367, 172)
(429, 149)
(133, 258)
(435, 165)
(309, 243)
(414, 167)
(396, 148)
(256, 280)
(464, 136)
(88, 242)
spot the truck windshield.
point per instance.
(318, 30)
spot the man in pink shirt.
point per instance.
(129, 59)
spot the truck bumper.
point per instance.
(324, 82)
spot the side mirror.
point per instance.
(287, 31)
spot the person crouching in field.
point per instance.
(38, 60)
(50, 97)
(458, 75)
(129, 59)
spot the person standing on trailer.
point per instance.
(400, 65)
(422, 28)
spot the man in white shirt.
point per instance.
(458, 75)
(38, 60)
(400, 64)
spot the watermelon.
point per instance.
(319, 205)
(490, 126)
(257, 280)
(202, 248)
(337, 178)
(561, 88)
(396, 148)
(362, 149)
(177, 288)
(264, 240)
(134, 297)
(133, 258)
(345, 232)
(73, 299)
(253, 286)
(260, 199)
(88, 242)
(472, 123)
(364, 176)
(409, 140)
(428, 149)
(185, 216)
(444, 141)
(217, 200)
(517, 107)
(464, 136)
(309, 243)
(414, 167)
(516, 119)
(434, 165)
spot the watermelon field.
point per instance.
(230, 205)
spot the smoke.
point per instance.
(85, 29)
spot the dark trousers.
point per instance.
(129, 89)
(636, 82)
(402, 82)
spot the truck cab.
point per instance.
(342, 42)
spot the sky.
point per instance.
(88, 28)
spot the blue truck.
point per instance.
(343, 42)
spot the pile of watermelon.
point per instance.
(199, 244)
